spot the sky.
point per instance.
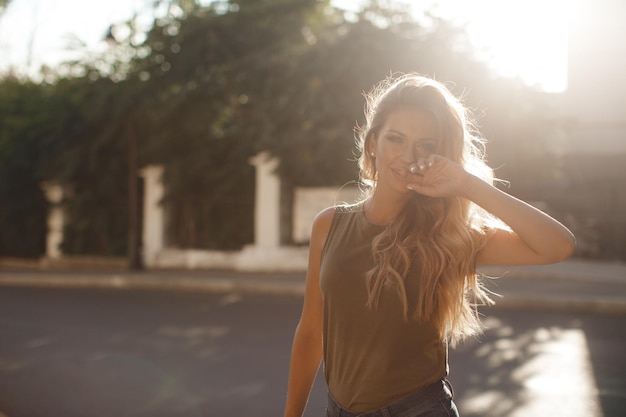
(525, 39)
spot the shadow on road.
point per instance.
(535, 363)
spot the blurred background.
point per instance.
(93, 93)
(171, 135)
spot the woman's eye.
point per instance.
(396, 139)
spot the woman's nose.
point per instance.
(408, 157)
(421, 151)
(411, 154)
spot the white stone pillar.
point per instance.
(153, 215)
(54, 236)
(266, 202)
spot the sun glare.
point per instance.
(524, 39)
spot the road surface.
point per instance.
(102, 352)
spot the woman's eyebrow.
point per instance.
(424, 139)
(397, 132)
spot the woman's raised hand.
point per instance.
(437, 176)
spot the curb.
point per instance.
(571, 271)
(220, 285)
(588, 305)
(614, 305)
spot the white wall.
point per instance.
(595, 100)
(309, 201)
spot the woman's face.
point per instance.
(407, 135)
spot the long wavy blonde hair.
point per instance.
(433, 240)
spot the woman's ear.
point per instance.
(371, 146)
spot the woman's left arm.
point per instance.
(534, 238)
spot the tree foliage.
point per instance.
(24, 119)
(3, 5)
(206, 87)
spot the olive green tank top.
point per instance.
(371, 357)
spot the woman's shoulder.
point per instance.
(323, 219)
(326, 216)
(321, 227)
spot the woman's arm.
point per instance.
(534, 238)
(306, 353)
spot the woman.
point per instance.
(392, 280)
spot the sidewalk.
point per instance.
(571, 286)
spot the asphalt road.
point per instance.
(85, 352)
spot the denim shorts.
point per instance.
(434, 400)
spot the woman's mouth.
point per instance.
(402, 173)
